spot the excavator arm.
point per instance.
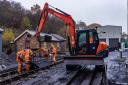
(70, 32)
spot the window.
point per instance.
(93, 38)
(90, 37)
(82, 39)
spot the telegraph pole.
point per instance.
(127, 16)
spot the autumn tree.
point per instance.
(8, 35)
(94, 26)
(81, 25)
(35, 9)
(53, 25)
(26, 23)
(34, 16)
(11, 14)
(14, 16)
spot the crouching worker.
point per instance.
(28, 59)
(44, 53)
(53, 49)
(19, 59)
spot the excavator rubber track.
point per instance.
(81, 60)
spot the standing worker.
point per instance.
(53, 49)
(28, 59)
(19, 59)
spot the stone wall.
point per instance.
(20, 43)
(35, 44)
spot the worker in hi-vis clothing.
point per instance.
(54, 52)
(44, 53)
(28, 59)
(19, 59)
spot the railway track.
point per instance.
(88, 77)
(61, 76)
(12, 75)
(55, 76)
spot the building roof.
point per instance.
(58, 37)
(111, 26)
(55, 37)
(1, 30)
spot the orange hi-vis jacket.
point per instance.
(44, 52)
(90, 40)
(54, 50)
(19, 55)
(27, 55)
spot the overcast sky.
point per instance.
(104, 12)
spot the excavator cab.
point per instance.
(89, 50)
(87, 42)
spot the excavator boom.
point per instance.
(70, 31)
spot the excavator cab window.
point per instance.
(91, 37)
(81, 42)
(82, 39)
(87, 42)
(93, 42)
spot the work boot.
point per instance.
(19, 73)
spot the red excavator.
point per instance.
(84, 45)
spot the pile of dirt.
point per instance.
(7, 60)
(117, 71)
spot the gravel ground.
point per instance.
(117, 72)
(7, 61)
(41, 77)
(56, 75)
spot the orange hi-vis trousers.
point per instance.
(19, 67)
(54, 58)
(28, 65)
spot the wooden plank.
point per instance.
(98, 78)
(87, 80)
